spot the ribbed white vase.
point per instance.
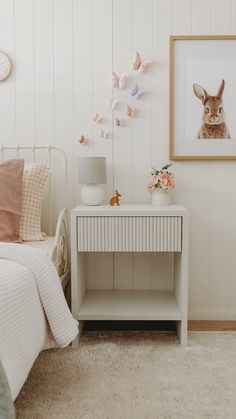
(160, 197)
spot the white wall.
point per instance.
(63, 52)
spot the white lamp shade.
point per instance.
(92, 170)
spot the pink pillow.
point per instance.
(11, 181)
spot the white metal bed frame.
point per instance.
(59, 252)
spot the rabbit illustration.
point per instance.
(213, 116)
(115, 199)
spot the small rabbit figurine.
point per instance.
(115, 200)
(213, 117)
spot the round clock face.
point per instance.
(5, 66)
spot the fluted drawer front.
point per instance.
(129, 234)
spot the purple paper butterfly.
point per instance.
(136, 91)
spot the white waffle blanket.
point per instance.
(33, 310)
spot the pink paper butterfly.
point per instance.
(136, 92)
(120, 122)
(139, 65)
(104, 134)
(83, 140)
(119, 82)
(131, 112)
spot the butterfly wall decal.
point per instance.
(131, 112)
(140, 65)
(104, 134)
(83, 140)
(112, 103)
(136, 92)
(97, 118)
(119, 82)
(120, 122)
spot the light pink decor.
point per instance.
(104, 134)
(11, 181)
(119, 82)
(140, 65)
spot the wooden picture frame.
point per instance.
(219, 148)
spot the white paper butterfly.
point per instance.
(139, 65)
(119, 82)
(136, 92)
(112, 103)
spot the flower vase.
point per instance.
(160, 197)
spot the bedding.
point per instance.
(7, 410)
(45, 246)
(33, 311)
(11, 181)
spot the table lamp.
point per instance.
(92, 173)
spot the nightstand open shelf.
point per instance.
(129, 305)
(130, 229)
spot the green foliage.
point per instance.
(164, 169)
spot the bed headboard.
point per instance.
(55, 196)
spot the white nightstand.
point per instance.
(130, 228)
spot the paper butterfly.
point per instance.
(83, 140)
(131, 111)
(139, 65)
(119, 82)
(97, 118)
(104, 134)
(112, 103)
(120, 122)
(136, 91)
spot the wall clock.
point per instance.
(5, 66)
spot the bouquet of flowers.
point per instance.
(162, 179)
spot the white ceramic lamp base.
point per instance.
(92, 194)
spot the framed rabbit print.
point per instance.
(203, 97)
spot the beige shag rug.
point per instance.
(140, 375)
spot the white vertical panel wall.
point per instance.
(63, 52)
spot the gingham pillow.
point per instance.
(34, 180)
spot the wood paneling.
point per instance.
(63, 52)
(24, 72)
(7, 96)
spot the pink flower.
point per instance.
(152, 182)
(166, 181)
(161, 179)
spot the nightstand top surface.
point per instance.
(129, 210)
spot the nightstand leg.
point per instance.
(75, 342)
(182, 332)
(78, 277)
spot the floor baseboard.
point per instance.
(212, 325)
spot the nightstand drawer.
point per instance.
(129, 234)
